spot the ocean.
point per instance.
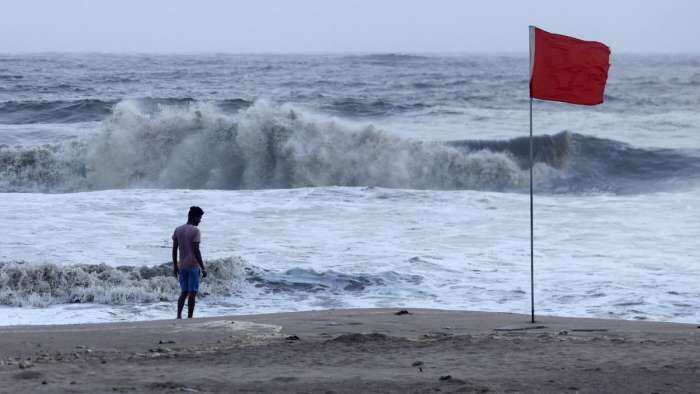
(342, 181)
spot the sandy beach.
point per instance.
(353, 351)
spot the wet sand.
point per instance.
(354, 351)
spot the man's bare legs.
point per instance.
(190, 304)
(181, 304)
(190, 297)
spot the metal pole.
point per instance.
(532, 249)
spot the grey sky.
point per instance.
(340, 25)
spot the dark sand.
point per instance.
(354, 351)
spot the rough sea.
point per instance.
(340, 181)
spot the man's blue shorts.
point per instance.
(189, 280)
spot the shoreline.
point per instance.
(354, 350)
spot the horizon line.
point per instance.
(315, 53)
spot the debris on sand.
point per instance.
(25, 364)
(360, 338)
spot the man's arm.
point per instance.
(175, 245)
(198, 256)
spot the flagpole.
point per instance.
(532, 249)
(532, 164)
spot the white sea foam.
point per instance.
(602, 256)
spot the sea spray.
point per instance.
(270, 146)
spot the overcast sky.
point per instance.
(341, 25)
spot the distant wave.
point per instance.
(87, 110)
(44, 284)
(359, 107)
(389, 57)
(199, 146)
(25, 112)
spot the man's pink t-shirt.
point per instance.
(186, 235)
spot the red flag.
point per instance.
(567, 69)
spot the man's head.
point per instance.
(194, 216)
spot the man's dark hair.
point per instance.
(194, 212)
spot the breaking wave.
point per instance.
(197, 145)
(591, 164)
(40, 285)
(265, 146)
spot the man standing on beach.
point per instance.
(186, 238)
